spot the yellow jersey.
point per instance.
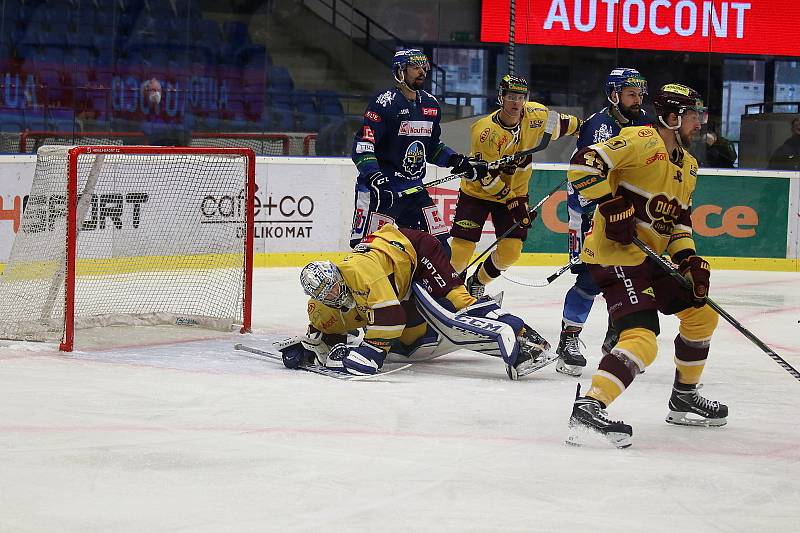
(379, 275)
(635, 164)
(491, 140)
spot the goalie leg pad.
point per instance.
(474, 328)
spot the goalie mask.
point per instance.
(678, 99)
(322, 281)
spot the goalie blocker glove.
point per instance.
(362, 360)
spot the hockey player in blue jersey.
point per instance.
(625, 90)
(400, 134)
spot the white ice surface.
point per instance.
(192, 437)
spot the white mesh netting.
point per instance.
(161, 242)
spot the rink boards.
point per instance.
(743, 219)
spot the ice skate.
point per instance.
(688, 408)
(589, 417)
(474, 286)
(570, 359)
(534, 353)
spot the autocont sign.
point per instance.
(730, 27)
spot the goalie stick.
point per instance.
(257, 353)
(670, 268)
(549, 129)
(546, 281)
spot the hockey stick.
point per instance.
(546, 281)
(667, 266)
(549, 128)
(515, 226)
(257, 353)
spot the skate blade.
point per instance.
(580, 435)
(524, 369)
(690, 419)
(569, 370)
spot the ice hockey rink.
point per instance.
(195, 437)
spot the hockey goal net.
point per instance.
(131, 235)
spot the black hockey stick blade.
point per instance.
(667, 266)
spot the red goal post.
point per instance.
(127, 235)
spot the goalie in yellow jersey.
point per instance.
(643, 180)
(517, 126)
(399, 286)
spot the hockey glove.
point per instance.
(361, 360)
(620, 222)
(518, 207)
(697, 271)
(471, 169)
(379, 187)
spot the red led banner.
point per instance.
(730, 27)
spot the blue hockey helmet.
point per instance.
(622, 77)
(322, 281)
(409, 57)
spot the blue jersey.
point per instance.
(398, 137)
(598, 128)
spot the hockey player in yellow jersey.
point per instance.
(643, 180)
(378, 287)
(517, 126)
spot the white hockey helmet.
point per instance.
(322, 281)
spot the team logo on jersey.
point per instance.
(616, 144)
(385, 99)
(373, 116)
(646, 133)
(416, 128)
(485, 134)
(663, 212)
(536, 124)
(414, 159)
(368, 135)
(603, 133)
(430, 111)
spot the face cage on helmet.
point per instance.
(319, 285)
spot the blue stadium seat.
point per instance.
(306, 115)
(279, 79)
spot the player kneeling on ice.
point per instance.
(399, 286)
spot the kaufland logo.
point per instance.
(416, 128)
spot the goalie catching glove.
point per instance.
(471, 169)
